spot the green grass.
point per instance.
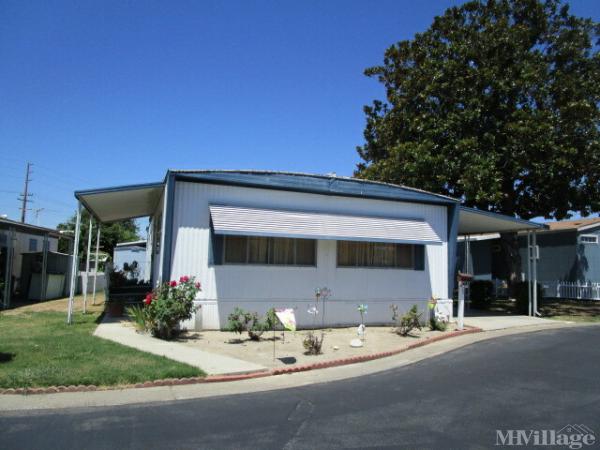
(576, 318)
(39, 349)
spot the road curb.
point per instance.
(239, 377)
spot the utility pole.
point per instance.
(25, 195)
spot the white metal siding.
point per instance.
(239, 220)
(257, 288)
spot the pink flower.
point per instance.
(197, 285)
(173, 283)
(184, 279)
(148, 299)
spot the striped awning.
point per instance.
(244, 221)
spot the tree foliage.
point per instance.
(110, 235)
(497, 104)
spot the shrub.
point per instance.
(138, 315)
(407, 322)
(436, 324)
(480, 292)
(312, 343)
(521, 297)
(169, 304)
(240, 320)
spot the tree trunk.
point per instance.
(509, 244)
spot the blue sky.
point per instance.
(101, 93)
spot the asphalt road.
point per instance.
(542, 380)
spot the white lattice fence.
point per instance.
(566, 289)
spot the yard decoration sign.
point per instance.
(287, 318)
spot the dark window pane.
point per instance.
(383, 254)
(258, 250)
(281, 251)
(235, 249)
(364, 253)
(346, 254)
(419, 257)
(33, 245)
(305, 252)
(404, 256)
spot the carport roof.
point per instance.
(121, 202)
(475, 221)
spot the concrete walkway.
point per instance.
(123, 333)
(27, 403)
(502, 322)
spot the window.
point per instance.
(268, 250)
(380, 254)
(33, 245)
(3, 240)
(588, 238)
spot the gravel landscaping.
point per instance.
(289, 350)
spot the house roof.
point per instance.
(28, 228)
(576, 224)
(330, 184)
(123, 202)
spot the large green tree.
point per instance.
(497, 104)
(110, 235)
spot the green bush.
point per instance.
(407, 322)
(480, 292)
(169, 304)
(437, 325)
(521, 297)
(240, 321)
(138, 315)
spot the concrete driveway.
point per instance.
(501, 322)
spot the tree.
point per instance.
(496, 104)
(111, 234)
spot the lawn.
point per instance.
(572, 310)
(37, 348)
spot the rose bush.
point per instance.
(169, 304)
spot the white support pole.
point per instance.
(45, 267)
(529, 254)
(534, 270)
(461, 305)
(84, 286)
(96, 264)
(74, 265)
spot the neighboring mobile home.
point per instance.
(131, 258)
(267, 239)
(16, 240)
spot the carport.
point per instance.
(474, 222)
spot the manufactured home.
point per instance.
(20, 244)
(268, 239)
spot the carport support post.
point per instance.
(96, 264)
(529, 253)
(534, 287)
(87, 267)
(74, 265)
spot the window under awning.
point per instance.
(245, 221)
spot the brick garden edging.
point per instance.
(237, 377)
